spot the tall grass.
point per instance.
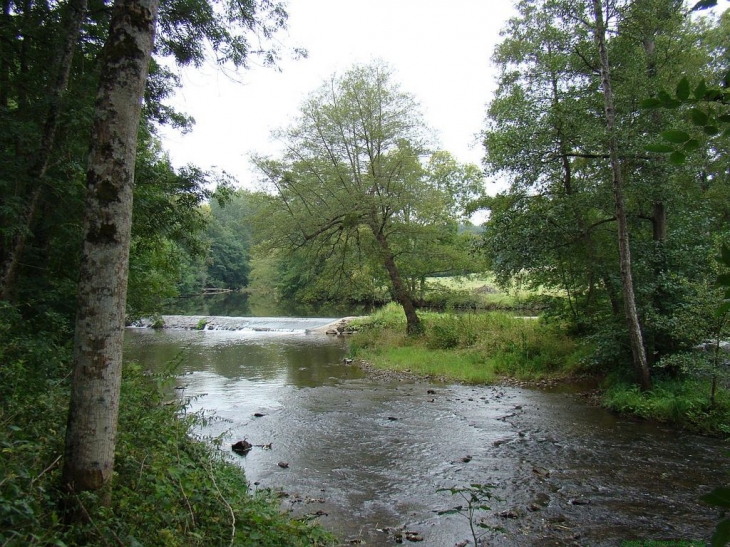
(685, 402)
(468, 347)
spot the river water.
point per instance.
(369, 456)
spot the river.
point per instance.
(370, 456)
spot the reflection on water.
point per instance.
(273, 358)
(370, 455)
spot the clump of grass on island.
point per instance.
(467, 347)
(683, 401)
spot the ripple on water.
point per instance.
(372, 455)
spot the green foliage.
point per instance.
(475, 496)
(720, 497)
(469, 347)
(355, 208)
(169, 227)
(706, 110)
(554, 229)
(686, 402)
(230, 234)
(170, 489)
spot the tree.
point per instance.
(37, 168)
(351, 182)
(557, 226)
(169, 225)
(627, 284)
(229, 236)
(96, 382)
(91, 432)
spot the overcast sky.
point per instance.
(440, 52)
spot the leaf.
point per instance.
(664, 97)
(677, 158)
(723, 280)
(673, 103)
(675, 136)
(683, 89)
(719, 497)
(725, 255)
(704, 4)
(659, 148)
(691, 145)
(698, 117)
(711, 130)
(725, 118)
(700, 90)
(651, 103)
(713, 95)
(721, 537)
(722, 309)
(449, 512)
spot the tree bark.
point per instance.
(413, 323)
(95, 386)
(643, 375)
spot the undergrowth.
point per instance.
(169, 489)
(683, 401)
(469, 347)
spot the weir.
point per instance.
(249, 324)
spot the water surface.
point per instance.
(369, 457)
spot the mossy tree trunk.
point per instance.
(92, 421)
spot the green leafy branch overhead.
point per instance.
(708, 112)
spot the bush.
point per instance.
(683, 401)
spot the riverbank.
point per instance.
(370, 459)
(171, 487)
(497, 348)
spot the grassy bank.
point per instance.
(485, 347)
(469, 347)
(169, 489)
(475, 292)
(686, 402)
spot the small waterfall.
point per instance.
(249, 324)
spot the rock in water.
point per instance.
(242, 447)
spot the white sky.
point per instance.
(440, 52)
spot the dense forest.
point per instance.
(610, 126)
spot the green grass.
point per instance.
(681, 401)
(469, 347)
(476, 291)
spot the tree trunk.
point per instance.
(413, 323)
(75, 16)
(6, 56)
(641, 366)
(95, 386)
